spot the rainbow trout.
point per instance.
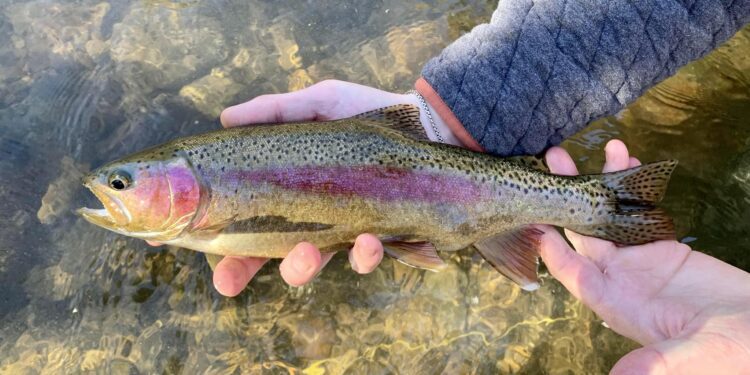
(259, 190)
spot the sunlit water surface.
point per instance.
(84, 82)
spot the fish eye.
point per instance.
(119, 180)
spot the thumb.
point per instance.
(577, 273)
(641, 361)
(709, 353)
(306, 104)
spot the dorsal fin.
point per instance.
(402, 117)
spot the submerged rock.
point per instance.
(57, 199)
(157, 47)
(390, 61)
(46, 31)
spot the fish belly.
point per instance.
(266, 245)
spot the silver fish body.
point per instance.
(262, 189)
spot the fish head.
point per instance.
(144, 196)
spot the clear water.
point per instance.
(83, 82)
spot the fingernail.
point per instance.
(237, 271)
(301, 266)
(353, 262)
(608, 152)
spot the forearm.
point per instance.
(540, 71)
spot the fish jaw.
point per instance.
(99, 217)
(112, 216)
(102, 218)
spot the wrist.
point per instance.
(440, 127)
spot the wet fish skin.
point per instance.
(257, 191)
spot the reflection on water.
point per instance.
(84, 82)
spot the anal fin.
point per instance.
(515, 254)
(415, 254)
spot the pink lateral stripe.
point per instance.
(376, 182)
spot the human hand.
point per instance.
(689, 310)
(327, 100)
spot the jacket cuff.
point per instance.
(446, 114)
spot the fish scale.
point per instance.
(259, 190)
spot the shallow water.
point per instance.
(85, 82)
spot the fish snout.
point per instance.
(88, 180)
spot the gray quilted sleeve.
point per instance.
(541, 70)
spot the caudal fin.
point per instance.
(635, 219)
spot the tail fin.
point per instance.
(634, 219)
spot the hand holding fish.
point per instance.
(689, 310)
(252, 193)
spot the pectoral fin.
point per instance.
(209, 232)
(515, 254)
(416, 254)
(213, 260)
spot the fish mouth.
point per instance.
(113, 215)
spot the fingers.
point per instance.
(326, 100)
(616, 155)
(560, 162)
(302, 264)
(153, 243)
(366, 253)
(305, 104)
(703, 352)
(233, 273)
(598, 250)
(576, 272)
